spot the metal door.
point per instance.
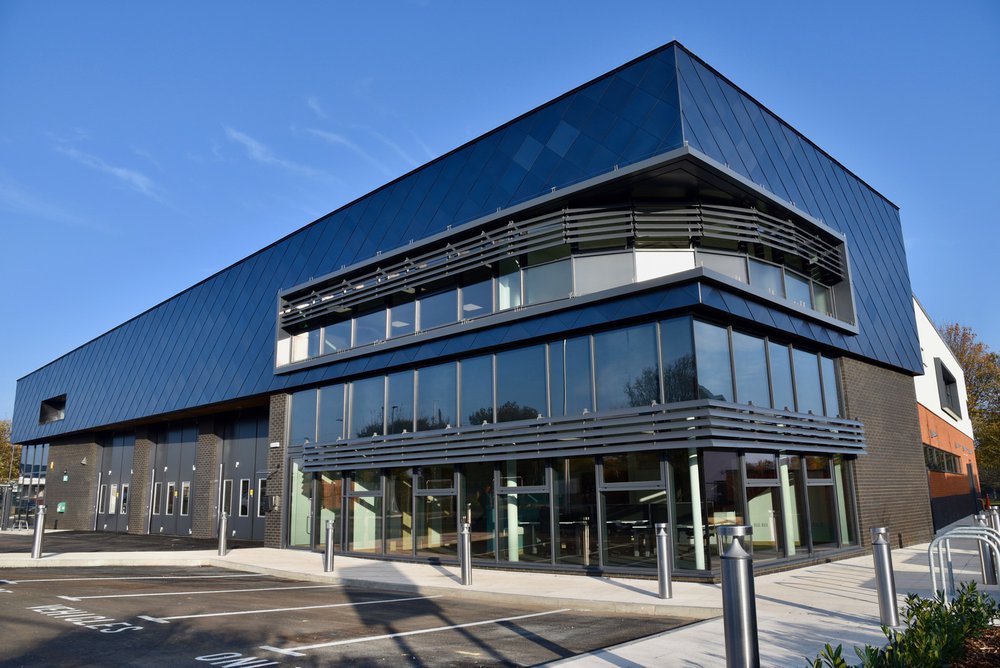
(116, 477)
(243, 483)
(172, 496)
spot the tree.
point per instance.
(981, 367)
(10, 455)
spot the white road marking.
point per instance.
(140, 577)
(298, 651)
(165, 620)
(191, 593)
(153, 619)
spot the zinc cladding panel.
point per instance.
(723, 123)
(557, 145)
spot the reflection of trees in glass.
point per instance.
(435, 421)
(400, 424)
(370, 429)
(678, 379)
(645, 389)
(506, 412)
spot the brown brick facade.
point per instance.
(79, 491)
(142, 463)
(205, 493)
(276, 462)
(891, 480)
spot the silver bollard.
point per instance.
(663, 553)
(465, 553)
(739, 604)
(36, 546)
(223, 534)
(987, 566)
(328, 554)
(994, 516)
(885, 579)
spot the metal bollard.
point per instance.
(36, 546)
(223, 534)
(885, 579)
(328, 554)
(986, 564)
(465, 553)
(663, 553)
(994, 516)
(739, 604)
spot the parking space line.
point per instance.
(191, 593)
(146, 577)
(298, 651)
(165, 620)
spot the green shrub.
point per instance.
(933, 633)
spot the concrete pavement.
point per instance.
(798, 611)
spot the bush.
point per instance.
(933, 633)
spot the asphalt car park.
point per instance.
(214, 617)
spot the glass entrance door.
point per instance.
(300, 506)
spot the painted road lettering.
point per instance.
(83, 618)
(234, 660)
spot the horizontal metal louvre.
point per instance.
(702, 423)
(338, 295)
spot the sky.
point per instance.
(145, 146)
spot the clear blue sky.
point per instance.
(144, 146)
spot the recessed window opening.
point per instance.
(52, 410)
(948, 390)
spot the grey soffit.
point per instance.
(680, 425)
(668, 223)
(214, 342)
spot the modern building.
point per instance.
(648, 300)
(945, 428)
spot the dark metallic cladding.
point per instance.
(214, 342)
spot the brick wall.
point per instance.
(891, 480)
(79, 492)
(276, 462)
(142, 463)
(205, 495)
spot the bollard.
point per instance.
(885, 579)
(586, 541)
(223, 534)
(328, 554)
(987, 565)
(465, 553)
(36, 546)
(739, 605)
(663, 552)
(994, 516)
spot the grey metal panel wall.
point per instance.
(214, 342)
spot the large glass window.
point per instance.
(715, 376)
(733, 266)
(437, 310)
(781, 376)
(521, 391)
(579, 388)
(631, 467)
(677, 349)
(437, 396)
(807, 385)
(367, 407)
(831, 399)
(477, 299)
(509, 285)
(478, 493)
(723, 489)
(629, 518)
(399, 409)
(822, 299)
(602, 272)
(399, 512)
(477, 390)
(402, 319)
(303, 423)
(557, 379)
(626, 367)
(331, 413)
(751, 370)
(337, 336)
(369, 327)
(575, 503)
(767, 277)
(546, 282)
(797, 288)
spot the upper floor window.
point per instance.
(951, 401)
(52, 410)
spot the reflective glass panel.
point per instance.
(594, 273)
(823, 301)
(797, 289)
(478, 493)
(733, 266)
(522, 473)
(723, 488)
(557, 381)
(437, 310)
(627, 371)
(330, 490)
(300, 506)
(632, 467)
(687, 534)
(818, 467)
(437, 396)
(575, 503)
(437, 525)
(822, 516)
(629, 519)
(477, 390)
(677, 349)
(521, 384)
(303, 423)
(830, 396)
(508, 285)
(767, 277)
(761, 466)
(437, 476)
(807, 387)
(477, 299)
(367, 407)
(337, 336)
(579, 389)
(715, 377)
(364, 524)
(331, 413)
(314, 342)
(524, 527)
(750, 365)
(402, 319)
(399, 512)
(546, 282)
(400, 404)
(764, 510)
(366, 480)
(781, 376)
(369, 327)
